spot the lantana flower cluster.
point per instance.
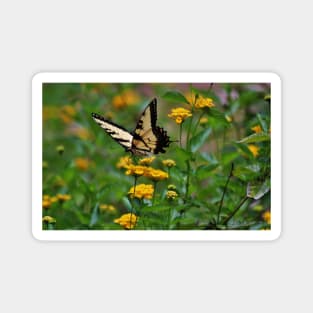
(48, 200)
(128, 220)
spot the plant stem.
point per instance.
(190, 124)
(142, 214)
(180, 133)
(188, 132)
(224, 191)
(197, 124)
(169, 172)
(169, 218)
(226, 220)
(131, 211)
(224, 136)
(188, 145)
(154, 191)
(188, 179)
(217, 145)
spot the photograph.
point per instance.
(156, 156)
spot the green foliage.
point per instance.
(175, 96)
(256, 138)
(220, 179)
(198, 140)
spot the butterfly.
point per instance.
(146, 139)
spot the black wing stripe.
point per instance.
(101, 118)
(153, 113)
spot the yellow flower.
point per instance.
(58, 182)
(169, 163)
(127, 97)
(67, 113)
(82, 163)
(124, 162)
(68, 109)
(46, 203)
(48, 219)
(203, 120)
(48, 200)
(254, 150)
(49, 112)
(190, 97)
(171, 194)
(155, 174)
(256, 129)
(171, 187)
(63, 197)
(107, 208)
(60, 149)
(202, 102)
(267, 217)
(179, 114)
(141, 191)
(146, 161)
(82, 133)
(199, 102)
(128, 220)
(54, 199)
(228, 118)
(135, 170)
(46, 197)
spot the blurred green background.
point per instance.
(84, 189)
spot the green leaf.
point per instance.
(257, 190)
(94, 216)
(208, 157)
(229, 157)
(156, 208)
(175, 96)
(262, 122)
(258, 137)
(183, 154)
(218, 116)
(198, 140)
(127, 203)
(203, 171)
(247, 172)
(243, 148)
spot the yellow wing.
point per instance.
(148, 137)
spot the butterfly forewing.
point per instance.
(118, 133)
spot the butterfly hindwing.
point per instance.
(145, 140)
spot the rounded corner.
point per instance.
(276, 235)
(275, 77)
(37, 77)
(36, 235)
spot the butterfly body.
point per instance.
(146, 139)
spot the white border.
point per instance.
(179, 77)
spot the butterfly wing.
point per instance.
(118, 133)
(148, 137)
